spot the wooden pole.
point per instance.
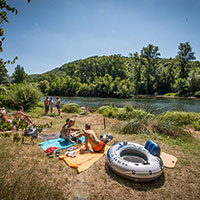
(104, 122)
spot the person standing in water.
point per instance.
(58, 105)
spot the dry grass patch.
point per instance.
(27, 173)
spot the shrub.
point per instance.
(126, 113)
(128, 108)
(181, 118)
(196, 125)
(103, 109)
(71, 108)
(197, 94)
(108, 111)
(25, 95)
(153, 125)
(40, 104)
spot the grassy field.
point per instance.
(27, 173)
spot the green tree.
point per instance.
(3, 74)
(164, 76)
(149, 57)
(44, 86)
(185, 54)
(19, 75)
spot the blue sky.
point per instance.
(48, 33)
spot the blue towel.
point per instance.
(61, 143)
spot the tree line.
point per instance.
(119, 76)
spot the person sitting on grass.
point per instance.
(4, 119)
(20, 114)
(67, 130)
(3, 116)
(91, 138)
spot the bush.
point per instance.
(153, 125)
(103, 109)
(197, 94)
(108, 111)
(25, 95)
(126, 113)
(181, 118)
(40, 104)
(196, 125)
(71, 108)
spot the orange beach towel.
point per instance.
(83, 159)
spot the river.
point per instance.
(154, 105)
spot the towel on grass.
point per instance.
(83, 159)
(61, 143)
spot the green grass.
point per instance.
(170, 94)
(181, 118)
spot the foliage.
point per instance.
(124, 88)
(71, 108)
(5, 8)
(181, 118)
(194, 80)
(3, 74)
(125, 113)
(25, 95)
(40, 104)
(185, 54)
(19, 75)
(197, 94)
(153, 125)
(44, 86)
(123, 77)
(196, 125)
(181, 86)
(149, 57)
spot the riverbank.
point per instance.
(166, 97)
(27, 173)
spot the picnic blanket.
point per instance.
(83, 159)
(60, 143)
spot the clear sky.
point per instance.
(48, 33)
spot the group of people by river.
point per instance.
(49, 103)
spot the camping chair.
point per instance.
(32, 133)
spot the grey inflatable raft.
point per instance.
(133, 161)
